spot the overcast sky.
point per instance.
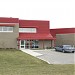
(60, 13)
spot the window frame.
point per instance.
(7, 29)
(27, 30)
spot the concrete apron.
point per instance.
(31, 52)
(35, 54)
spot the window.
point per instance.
(6, 29)
(35, 44)
(27, 30)
(0, 28)
(22, 42)
(10, 28)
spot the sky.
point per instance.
(60, 13)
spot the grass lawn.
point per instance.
(15, 62)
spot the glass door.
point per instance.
(27, 44)
(22, 44)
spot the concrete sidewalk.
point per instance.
(31, 52)
(52, 57)
(35, 54)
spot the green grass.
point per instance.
(15, 62)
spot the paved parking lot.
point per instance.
(54, 57)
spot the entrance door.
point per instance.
(22, 44)
(27, 44)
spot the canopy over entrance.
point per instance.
(24, 36)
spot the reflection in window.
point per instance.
(22, 42)
(0, 28)
(4, 28)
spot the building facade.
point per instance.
(30, 34)
(9, 32)
(25, 34)
(64, 36)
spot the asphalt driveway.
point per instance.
(54, 57)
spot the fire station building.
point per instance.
(29, 34)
